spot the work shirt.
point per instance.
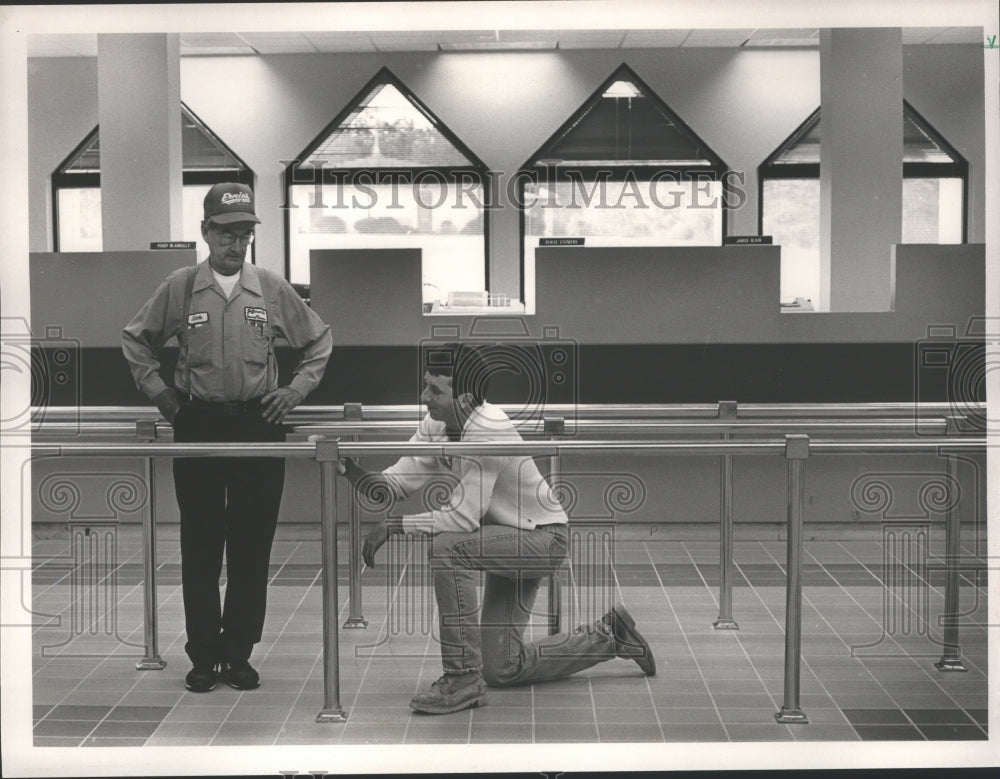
(505, 490)
(226, 346)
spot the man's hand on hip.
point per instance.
(169, 403)
(276, 405)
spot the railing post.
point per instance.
(327, 454)
(145, 430)
(951, 660)
(796, 452)
(553, 428)
(355, 617)
(727, 411)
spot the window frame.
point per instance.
(478, 171)
(958, 168)
(718, 170)
(62, 179)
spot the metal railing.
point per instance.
(721, 420)
(724, 420)
(413, 413)
(795, 448)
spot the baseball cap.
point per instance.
(226, 203)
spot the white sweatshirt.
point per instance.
(508, 490)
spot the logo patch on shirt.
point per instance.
(199, 318)
(255, 314)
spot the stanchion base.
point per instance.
(950, 664)
(725, 624)
(151, 664)
(356, 623)
(791, 717)
(332, 715)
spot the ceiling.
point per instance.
(194, 44)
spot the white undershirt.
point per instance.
(227, 282)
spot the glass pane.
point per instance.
(88, 159)
(630, 213)
(790, 211)
(80, 220)
(193, 210)
(80, 217)
(625, 126)
(202, 150)
(386, 130)
(616, 213)
(920, 144)
(444, 221)
(932, 210)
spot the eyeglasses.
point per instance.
(227, 239)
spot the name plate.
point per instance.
(172, 245)
(747, 240)
(561, 241)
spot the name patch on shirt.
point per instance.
(255, 314)
(199, 318)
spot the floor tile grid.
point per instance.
(138, 682)
(687, 642)
(874, 680)
(305, 684)
(968, 587)
(421, 672)
(591, 686)
(649, 688)
(772, 728)
(806, 662)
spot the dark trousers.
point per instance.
(226, 504)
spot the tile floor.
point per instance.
(867, 672)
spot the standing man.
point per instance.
(502, 519)
(226, 315)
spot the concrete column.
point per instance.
(139, 109)
(861, 166)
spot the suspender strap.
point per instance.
(188, 292)
(266, 291)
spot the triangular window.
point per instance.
(76, 183)
(624, 170)
(386, 129)
(624, 123)
(386, 174)
(935, 180)
(201, 150)
(921, 145)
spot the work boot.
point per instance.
(240, 675)
(201, 678)
(452, 692)
(628, 641)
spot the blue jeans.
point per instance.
(515, 562)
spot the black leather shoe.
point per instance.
(240, 675)
(629, 643)
(201, 678)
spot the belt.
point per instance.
(229, 408)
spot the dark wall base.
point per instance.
(567, 373)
